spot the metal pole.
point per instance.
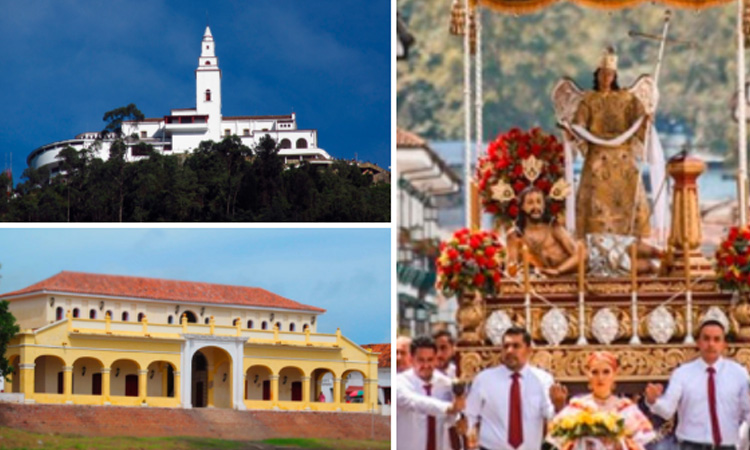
(662, 44)
(467, 114)
(742, 119)
(479, 103)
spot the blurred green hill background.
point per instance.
(523, 57)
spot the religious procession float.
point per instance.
(597, 263)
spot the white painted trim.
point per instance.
(48, 326)
(124, 338)
(260, 358)
(92, 348)
(162, 301)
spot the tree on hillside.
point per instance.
(8, 329)
(117, 116)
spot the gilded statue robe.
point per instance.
(610, 199)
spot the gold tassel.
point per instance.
(458, 18)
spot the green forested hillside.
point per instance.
(523, 56)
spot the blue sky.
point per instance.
(345, 271)
(67, 62)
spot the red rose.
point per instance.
(491, 263)
(517, 170)
(519, 186)
(491, 208)
(555, 207)
(536, 150)
(481, 261)
(468, 254)
(523, 151)
(496, 277)
(502, 163)
(741, 260)
(457, 267)
(479, 279)
(513, 211)
(542, 184)
(490, 251)
(475, 243)
(452, 253)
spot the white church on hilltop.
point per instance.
(183, 129)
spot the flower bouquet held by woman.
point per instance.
(600, 420)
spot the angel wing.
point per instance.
(566, 95)
(645, 90)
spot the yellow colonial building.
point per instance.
(115, 340)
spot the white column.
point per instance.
(186, 380)
(237, 376)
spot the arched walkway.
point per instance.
(124, 378)
(87, 376)
(321, 385)
(160, 379)
(48, 375)
(258, 383)
(211, 378)
(290, 384)
(352, 382)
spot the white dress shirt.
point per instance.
(414, 406)
(489, 404)
(449, 371)
(687, 393)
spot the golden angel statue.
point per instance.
(610, 127)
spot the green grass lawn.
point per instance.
(18, 439)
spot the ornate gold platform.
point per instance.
(645, 360)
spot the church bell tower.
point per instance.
(208, 86)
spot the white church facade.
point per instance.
(184, 129)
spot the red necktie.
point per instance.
(515, 424)
(715, 430)
(430, 423)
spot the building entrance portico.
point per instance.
(215, 377)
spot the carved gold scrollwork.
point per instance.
(470, 316)
(471, 364)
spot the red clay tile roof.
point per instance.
(158, 289)
(407, 139)
(384, 359)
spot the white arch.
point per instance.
(234, 346)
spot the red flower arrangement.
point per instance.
(516, 160)
(470, 261)
(733, 260)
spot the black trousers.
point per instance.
(687, 445)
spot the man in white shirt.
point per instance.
(510, 402)
(445, 353)
(403, 358)
(424, 399)
(709, 394)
